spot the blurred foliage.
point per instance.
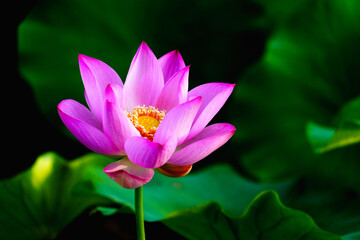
(347, 132)
(308, 72)
(352, 236)
(324, 139)
(40, 202)
(319, 136)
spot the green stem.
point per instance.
(139, 213)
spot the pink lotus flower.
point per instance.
(151, 121)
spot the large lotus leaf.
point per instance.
(265, 218)
(39, 202)
(334, 208)
(164, 196)
(54, 33)
(308, 72)
(268, 218)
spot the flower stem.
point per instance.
(139, 213)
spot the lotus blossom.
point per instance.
(151, 121)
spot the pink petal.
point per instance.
(86, 128)
(96, 75)
(127, 174)
(87, 99)
(117, 125)
(149, 154)
(214, 97)
(114, 93)
(199, 147)
(78, 111)
(174, 91)
(171, 63)
(144, 81)
(177, 122)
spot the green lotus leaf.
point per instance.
(164, 196)
(265, 218)
(40, 202)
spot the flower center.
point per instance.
(146, 120)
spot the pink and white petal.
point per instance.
(127, 174)
(214, 96)
(178, 122)
(171, 63)
(149, 154)
(96, 75)
(144, 80)
(117, 125)
(175, 90)
(206, 142)
(78, 111)
(114, 93)
(89, 135)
